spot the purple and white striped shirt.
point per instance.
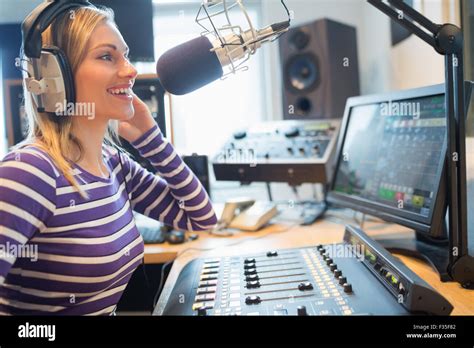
(61, 254)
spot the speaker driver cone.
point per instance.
(302, 73)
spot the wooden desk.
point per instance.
(283, 236)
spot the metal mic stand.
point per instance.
(446, 39)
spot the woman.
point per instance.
(66, 198)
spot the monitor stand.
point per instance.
(435, 252)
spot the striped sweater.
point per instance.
(61, 254)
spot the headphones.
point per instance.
(48, 75)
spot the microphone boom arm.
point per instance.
(446, 39)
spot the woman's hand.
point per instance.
(139, 124)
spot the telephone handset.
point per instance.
(234, 207)
(246, 214)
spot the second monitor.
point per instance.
(390, 163)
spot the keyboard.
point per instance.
(152, 231)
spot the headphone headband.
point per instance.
(39, 19)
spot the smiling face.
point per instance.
(105, 76)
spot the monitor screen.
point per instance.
(391, 155)
(395, 158)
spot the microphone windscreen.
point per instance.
(189, 66)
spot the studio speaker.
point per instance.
(320, 69)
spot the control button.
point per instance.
(198, 305)
(253, 300)
(319, 247)
(250, 271)
(251, 278)
(212, 288)
(209, 268)
(392, 279)
(212, 262)
(249, 265)
(272, 254)
(328, 261)
(253, 284)
(240, 135)
(292, 132)
(200, 291)
(342, 280)
(337, 273)
(209, 271)
(210, 297)
(302, 310)
(322, 251)
(202, 311)
(249, 261)
(332, 267)
(377, 266)
(347, 287)
(305, 286)
(401, 289)
(200, 298)
(204, 284)
(208, 277)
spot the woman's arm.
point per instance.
(174, 196)
(27, 200)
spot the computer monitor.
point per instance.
(391, 156)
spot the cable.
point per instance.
(361, 221)
(19, 67)
(287, 11)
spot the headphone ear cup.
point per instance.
(66, 72)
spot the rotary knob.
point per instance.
(347, 288)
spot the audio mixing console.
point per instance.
(355, 277)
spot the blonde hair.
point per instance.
(71, 33)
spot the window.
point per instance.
(205, 119)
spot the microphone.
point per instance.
(198, 62)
